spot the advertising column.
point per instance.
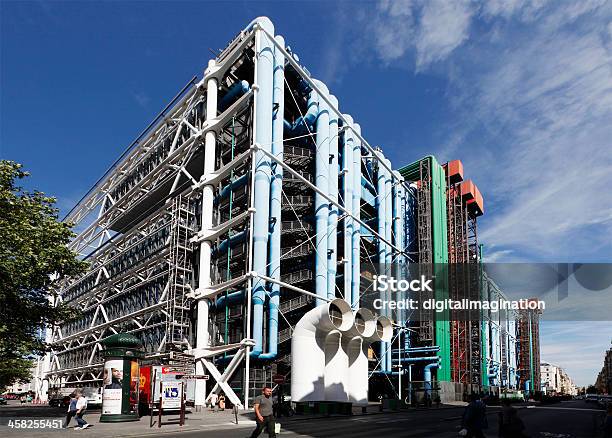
(121, 378)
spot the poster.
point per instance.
(112, 382)
(172, 393)
(134, 385)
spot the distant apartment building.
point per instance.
(604, 379)
(555, 380)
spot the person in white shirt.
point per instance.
(213, 401)
(81, 407)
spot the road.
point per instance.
(575, 419)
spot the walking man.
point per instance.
(81, 406)
(264, 414)
(71, 409)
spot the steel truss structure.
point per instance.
(170, 231)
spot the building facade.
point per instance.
(249, 200)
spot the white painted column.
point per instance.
(210, 145)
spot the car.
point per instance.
(3, 401)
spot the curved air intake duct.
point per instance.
(372, 329)
(329, 353)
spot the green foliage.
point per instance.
(33, 257)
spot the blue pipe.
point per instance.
(332, 219)
(427, 376)
(367, 184)
(263, 137)
(321, 204)
(397, 236)
(388, 195)
(274, 254)
(356, 260)
(230, 242)
(347, 185)
(303, 125)
(423, 350)
(233, 94)
(232, 298)
(234, 185)
(418, 359)
(381, 207)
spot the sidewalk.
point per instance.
(194, 421)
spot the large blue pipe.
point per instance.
(233, 94)
(230, 242)
(321, 204)
(332, 220)
(347, 194)
(303, 125)
(263, 137)
(427, 376)
(397, 234)
(367, 184)
(234, 185)
(276, 189)
(232, 298)
(388, 235)
(381, 207)
(356, 277)
(423, 350)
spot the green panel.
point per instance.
(440, 253)
(440, 258)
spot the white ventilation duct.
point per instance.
(356, 347)
(319, 331)
(329, 353)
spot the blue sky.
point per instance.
(519, 90)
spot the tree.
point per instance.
(33, 257)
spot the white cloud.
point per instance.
(547, 105)
(444, 26)
(391, 29)
(432, 29)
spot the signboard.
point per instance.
(172, 393)
(170, 370)
(134, 385)
(279, 379)
(112, 387)
(196, 377)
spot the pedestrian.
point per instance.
(264, 414)
(474, 418)
(72, 409)
(222, 402)
(81, 407)
(213, 401)
(510, 425)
